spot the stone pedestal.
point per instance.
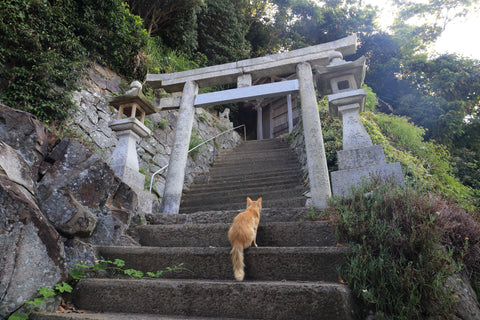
(124, 160)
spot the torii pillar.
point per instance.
(172, 194)
(315, 149)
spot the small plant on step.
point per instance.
(314, 214)
(117, 266)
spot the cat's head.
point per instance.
(255, 204)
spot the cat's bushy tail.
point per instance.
(237, 261)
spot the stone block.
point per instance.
(130, 176)
(344, 180)
(356, 158)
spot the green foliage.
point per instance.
(45, 45)
(39, 57)
(113, 36)
(218, 43)
(396, 267)
(174, 21)
(83, 270)
(117, 266)
(425, 163)
(194, 142)
(161, 59)
(332, 137)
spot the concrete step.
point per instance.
(236, 176)
(285, 214)
(252, 300)
(252, 168)
(240, 195)
(277, 203)
(270, 234)
(113, 316)
(222, 185)
(272, 156)
(262, 263)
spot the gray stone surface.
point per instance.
(178, 159)
(344, 180)
(355, 158)
(257, 300)
(272, 234)
(270, 65)
(80, 194)
(315, 150)
(26, 135)
(115, 316)
(32, 250)
(467, 307)
(290, 263)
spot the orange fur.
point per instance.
(243, 233)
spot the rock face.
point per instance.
(82, 197)
(57, 200)
(32, 250)
(26, 135)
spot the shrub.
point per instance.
(45, 46)
(396, 266)
(427, 164)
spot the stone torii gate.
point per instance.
(243, 72)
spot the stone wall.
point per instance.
(93, 115)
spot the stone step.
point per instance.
(113, 316)
(252, 300)
(286, 214)
(270, 234)
(222, 185)
(262, 263)
(277, 203)
(240, 195)
(242, 175)
(252, 168)
(237, 157)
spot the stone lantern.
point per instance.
(129, 126)
(359, 159)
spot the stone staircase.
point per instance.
(291, 275)
(266, 168)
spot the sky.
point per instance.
(459, 36)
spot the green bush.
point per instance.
(161, 59)
(45, 46)
(396, 267)
(39, 57)
(425, 163)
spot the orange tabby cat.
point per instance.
(242, 234)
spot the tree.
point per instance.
(222, 29)
(174, 21)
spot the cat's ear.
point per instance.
(259, 200)
(249, 201)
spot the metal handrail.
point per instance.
(197, 146)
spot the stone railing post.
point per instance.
(172, 194)
(315, 150)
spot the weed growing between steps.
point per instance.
(397, 267)
(115, 267)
